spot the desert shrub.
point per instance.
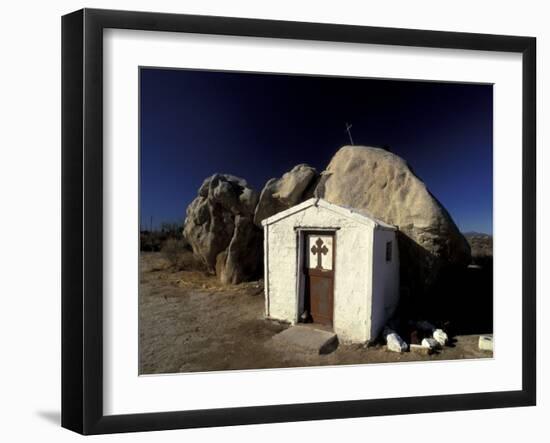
(171, 230)
(189, 262)
(151, 241)
(180, 257)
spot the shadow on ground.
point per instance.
(462, 299)
(53, 417)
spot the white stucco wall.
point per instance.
(353, 269)
(385, 280)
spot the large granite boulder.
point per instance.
(219, 227)
(382, 183)
(282, 193)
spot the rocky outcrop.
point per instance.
(282, 193)
(219, 227)
(243, 257)
(382, 183)
(223, 222)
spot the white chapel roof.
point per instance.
(356, 214)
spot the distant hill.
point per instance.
(480, 243)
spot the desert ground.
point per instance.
(190, 322)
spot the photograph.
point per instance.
(292, 220)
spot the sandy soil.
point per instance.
(189, 322)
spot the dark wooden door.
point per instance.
(319, 271)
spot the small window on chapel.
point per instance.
(388, 250)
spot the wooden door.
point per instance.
(319, 272)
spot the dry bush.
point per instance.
(150, 241)
(177, 252)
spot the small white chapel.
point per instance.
(333, 266)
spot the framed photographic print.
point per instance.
(269, 221)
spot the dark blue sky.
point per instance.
(258, 126)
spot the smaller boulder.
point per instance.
(440, 336)
(220, 229)
(485, 343)
(279, 194)
(395, 343)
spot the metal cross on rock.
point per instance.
(348, 130)
(319, 250)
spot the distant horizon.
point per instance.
(259, 126)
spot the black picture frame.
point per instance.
(82, 218)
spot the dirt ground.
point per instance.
(190, 322)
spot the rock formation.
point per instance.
(282, 193)
(219, 226)
(223, 223)
(382, 183)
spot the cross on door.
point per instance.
(320, 249)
